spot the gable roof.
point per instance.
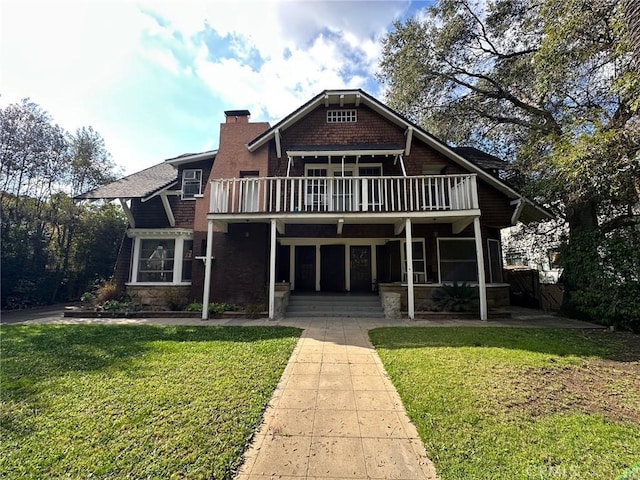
(473, 160)
(137, 185)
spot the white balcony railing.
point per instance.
(343, 194)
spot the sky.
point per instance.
(154, 77)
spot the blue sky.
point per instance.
(154, 77)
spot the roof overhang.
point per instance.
(344, 153)
(192, 157)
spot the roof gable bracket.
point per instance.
(167, 209)
(127, 212)
(289, 163)
(398, 227)
(409, 134)
(404, 170)
(519, 203)
(278, 147)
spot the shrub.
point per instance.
(109, 290)
(457, 297)
(253, 310)
(119, 306)
(214, 308)
(88, 299)
(174, 299)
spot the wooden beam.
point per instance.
(127, 212)
(407, 147)
(276, 135)
(272, 271)
(409, 255)
(459, 225)
(207, 271)
(221, 225)
(482, 283)
(167, 209)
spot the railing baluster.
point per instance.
(344, 194)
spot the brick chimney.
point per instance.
(237, 116)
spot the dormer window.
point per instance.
(191, 184)
(342, 116)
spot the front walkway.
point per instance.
(335, 414)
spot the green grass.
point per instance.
(506, 403)
(83, 401)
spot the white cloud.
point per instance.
(143, 75)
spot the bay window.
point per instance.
(162, 257)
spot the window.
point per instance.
(495, 261)
(162, 257)
(316, 189)
(419, 261)
(191, 184)
(187, 260)
(457, 260)
(155, 262)
(342, 116)
(250, 191)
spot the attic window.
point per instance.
(342, 116)
(191, 184)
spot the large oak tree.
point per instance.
(552, 86)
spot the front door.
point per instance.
(332, 268)
(305, 268)
(360, 262)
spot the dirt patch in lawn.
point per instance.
(607, 386)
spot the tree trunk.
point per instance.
(581, 265)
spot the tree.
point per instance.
(550, 85)
(41, 226)
(91, 163)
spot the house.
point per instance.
(325, 200)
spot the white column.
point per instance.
(272, 272)
(318, 268)
(482, 284)
(409, 256)
(207, 271)
(347, 267)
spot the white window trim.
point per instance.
(467, 239)
(340, 168)
(347, 115)
(403, 261)
(178, 235)
(197, 195)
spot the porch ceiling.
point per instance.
(459, 219)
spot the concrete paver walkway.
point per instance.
(335, 414)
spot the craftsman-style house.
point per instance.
(326, 200)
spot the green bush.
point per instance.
(457, 297)
(215, 308)
(119, 306)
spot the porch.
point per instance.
(398, 202)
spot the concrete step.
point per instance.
(335, 305)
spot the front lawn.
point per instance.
(507, 403)
(90, 401)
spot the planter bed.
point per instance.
(153, 314)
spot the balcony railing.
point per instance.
(343, 194)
